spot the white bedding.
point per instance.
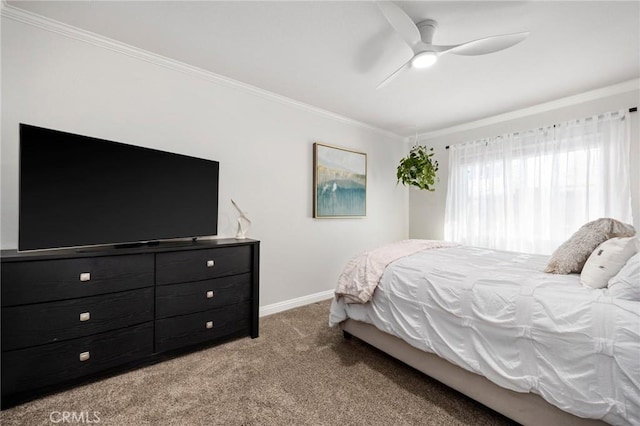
(497, 314)
(360, 277)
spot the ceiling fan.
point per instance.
(419, 37)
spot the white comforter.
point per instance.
(497, 314)
(362, 274)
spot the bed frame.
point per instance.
(525, 408)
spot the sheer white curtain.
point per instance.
(530, 191)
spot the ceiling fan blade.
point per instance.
(401, 22)
(484, 45)
(394, 74)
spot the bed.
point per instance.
(539, 348)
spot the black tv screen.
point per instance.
(81, 191)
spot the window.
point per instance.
(530, 191)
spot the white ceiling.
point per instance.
(332, 54)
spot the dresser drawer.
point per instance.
(187, 298)
(195, 265)
(185, 330)
(48, 280)
(50, 322)
(33, 368)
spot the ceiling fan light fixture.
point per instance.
(424, 59)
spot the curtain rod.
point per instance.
(632, 109)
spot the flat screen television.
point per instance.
(78, 191)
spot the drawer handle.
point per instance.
(209, 294)
(210, 263)
(84, 356)
(209, 324)
(85, 276)
(85, 316)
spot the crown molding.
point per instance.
(616, 89)
(30, 18)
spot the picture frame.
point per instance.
(339, 182)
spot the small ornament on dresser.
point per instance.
(243, 222)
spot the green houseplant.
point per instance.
(418, 168)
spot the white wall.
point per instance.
(426, 210)
(264, 146)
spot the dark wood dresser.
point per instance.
(69, 316)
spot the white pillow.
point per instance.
(626, 284)
(606, 261)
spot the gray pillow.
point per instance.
(573, 253)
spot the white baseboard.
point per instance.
(274, 308)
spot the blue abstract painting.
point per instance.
(340, 182)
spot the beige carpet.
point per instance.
(298, 372)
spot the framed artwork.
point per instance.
(339, 182)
